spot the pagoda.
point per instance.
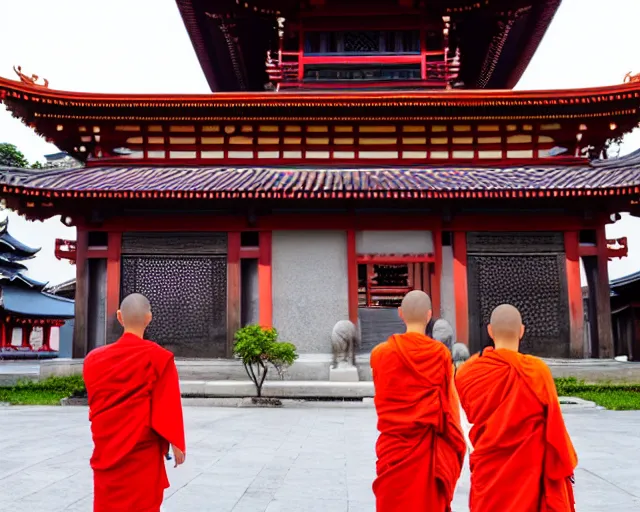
(349, 152)
(24, 304)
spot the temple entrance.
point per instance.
(528, 271)
(185, 278)
(382, 284)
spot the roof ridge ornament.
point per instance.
(632, 79)
(32, 80)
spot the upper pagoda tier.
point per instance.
(367, 129)
(256, 44)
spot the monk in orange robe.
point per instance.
(136, 414)
(523, 458)
(421, 447)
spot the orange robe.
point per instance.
(421, 447)
(523, 458)
(135, 412)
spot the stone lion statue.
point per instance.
(344, 342)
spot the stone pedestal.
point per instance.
(344, 373)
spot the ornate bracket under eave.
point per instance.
(65, 250)
(617, 248)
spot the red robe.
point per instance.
(135, 413)
(523, 458)
(421, 447)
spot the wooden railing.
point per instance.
(287, 69)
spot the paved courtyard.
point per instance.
(309, 459)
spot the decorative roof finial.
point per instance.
(32, 80)
(629, 78)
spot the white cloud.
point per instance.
(142, 46)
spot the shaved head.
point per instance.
(416, 308)
(135, 312)
(505, 326)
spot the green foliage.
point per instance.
(616, 397)
(46, 392)
(258, 347)
(10, 156)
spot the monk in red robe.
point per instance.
(135, 413)
(523, 458)
(421, 447)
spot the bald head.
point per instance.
(505, 327)
(416, 308)
(135, 312)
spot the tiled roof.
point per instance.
(34, 303)
(621, 176)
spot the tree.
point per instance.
(10, 156)
(258, 347)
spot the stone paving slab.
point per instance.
(311, 459)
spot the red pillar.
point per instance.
(352, 275)
(26, 335)
(605, 331)
(574, 292)
(233, 286)
(82, 294)
(114, 250)
(460, 286)
(46, 337)
(8, 333)
(437, 272)
(265, 280)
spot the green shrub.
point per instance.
(47, 392)
(258, 347)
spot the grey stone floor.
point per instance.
(300, 459)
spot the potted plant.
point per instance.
(258, 348)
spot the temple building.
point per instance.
(349, 152)
(29, 315)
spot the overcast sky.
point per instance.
(141, 46)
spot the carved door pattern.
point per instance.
(186, 283)
(533, 279)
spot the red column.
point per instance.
(3, 335)
(233, 286)
(605, 331)
(26, 335)
(8, 333)
(460, 286)
(46, 337)
(574, 292)
(114, 250)
(265, 280)
(437, 272)
(82, 294)
(352, 275)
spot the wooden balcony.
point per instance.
(429, 70)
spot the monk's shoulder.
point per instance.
(474, 363)
(537, 365)
(378, 352)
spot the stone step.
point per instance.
(276, 389)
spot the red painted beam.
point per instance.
(460, 286)
(574, 292)
(265, 280)
(352, 275)
(394, 259)
(329, 221)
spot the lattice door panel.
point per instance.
(535, 284)
(188, 298)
